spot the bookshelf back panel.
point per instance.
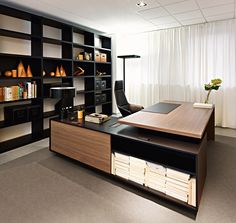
(15, 131)
(51, 32)
(52, 50)
(78, 38)
(15, 24)
(11, 46)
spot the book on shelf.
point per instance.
(97, 118)
(15, 92)
(174, 174)
(29, 89)
(7, 94)
(156, 168)
(192, 192)
(171, 182)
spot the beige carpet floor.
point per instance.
(43, 187)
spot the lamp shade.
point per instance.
(62, 92)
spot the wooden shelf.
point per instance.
(104, 103)
(20, 56)
(106, 89)
(84, 76)
(101, 76)
(19, 78)
(155, 192)
(55, 41)
(14, 34)
(77, 45)
(102, 62)
(19, 100)
(102, 49)
(84, 91)
(57, 59)
(83, 61)
(49, 77)
(49, 114)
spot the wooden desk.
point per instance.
(184, 120)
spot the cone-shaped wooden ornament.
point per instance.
(29, 73)
(21, 70)
(62, 71)
(58, 72)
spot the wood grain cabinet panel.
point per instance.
(87, 146)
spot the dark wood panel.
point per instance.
(201, 169)
(87, 146)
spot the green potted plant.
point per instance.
(213, 85)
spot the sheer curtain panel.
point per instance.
(176, 63)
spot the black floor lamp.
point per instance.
(126, 57)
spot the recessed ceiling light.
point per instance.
(141, 4)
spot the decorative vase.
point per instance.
(29, 73)
(207, 98)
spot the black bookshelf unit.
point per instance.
(74, 48)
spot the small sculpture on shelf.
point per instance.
(21, 70)
(80, 56)
(29, 72)
(58, 72)
(62, 71)
(44, 73)
(14, 73)
(8, 73)
(79, 71)
(98, 73)
(52, 74)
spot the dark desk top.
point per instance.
(112, 127)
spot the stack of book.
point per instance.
(96, 118)
(177, 184)
(171, 182)
(137, 170)
(121, 164)
(155, 177)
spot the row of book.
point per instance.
(166, 180)
(22, 91)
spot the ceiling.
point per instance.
(119, 16)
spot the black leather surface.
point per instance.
(163, 108)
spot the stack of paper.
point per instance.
(177, 184)
(192, 192)
(121, 165)
(137, 170)
(155, 177)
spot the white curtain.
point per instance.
(176, 63)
